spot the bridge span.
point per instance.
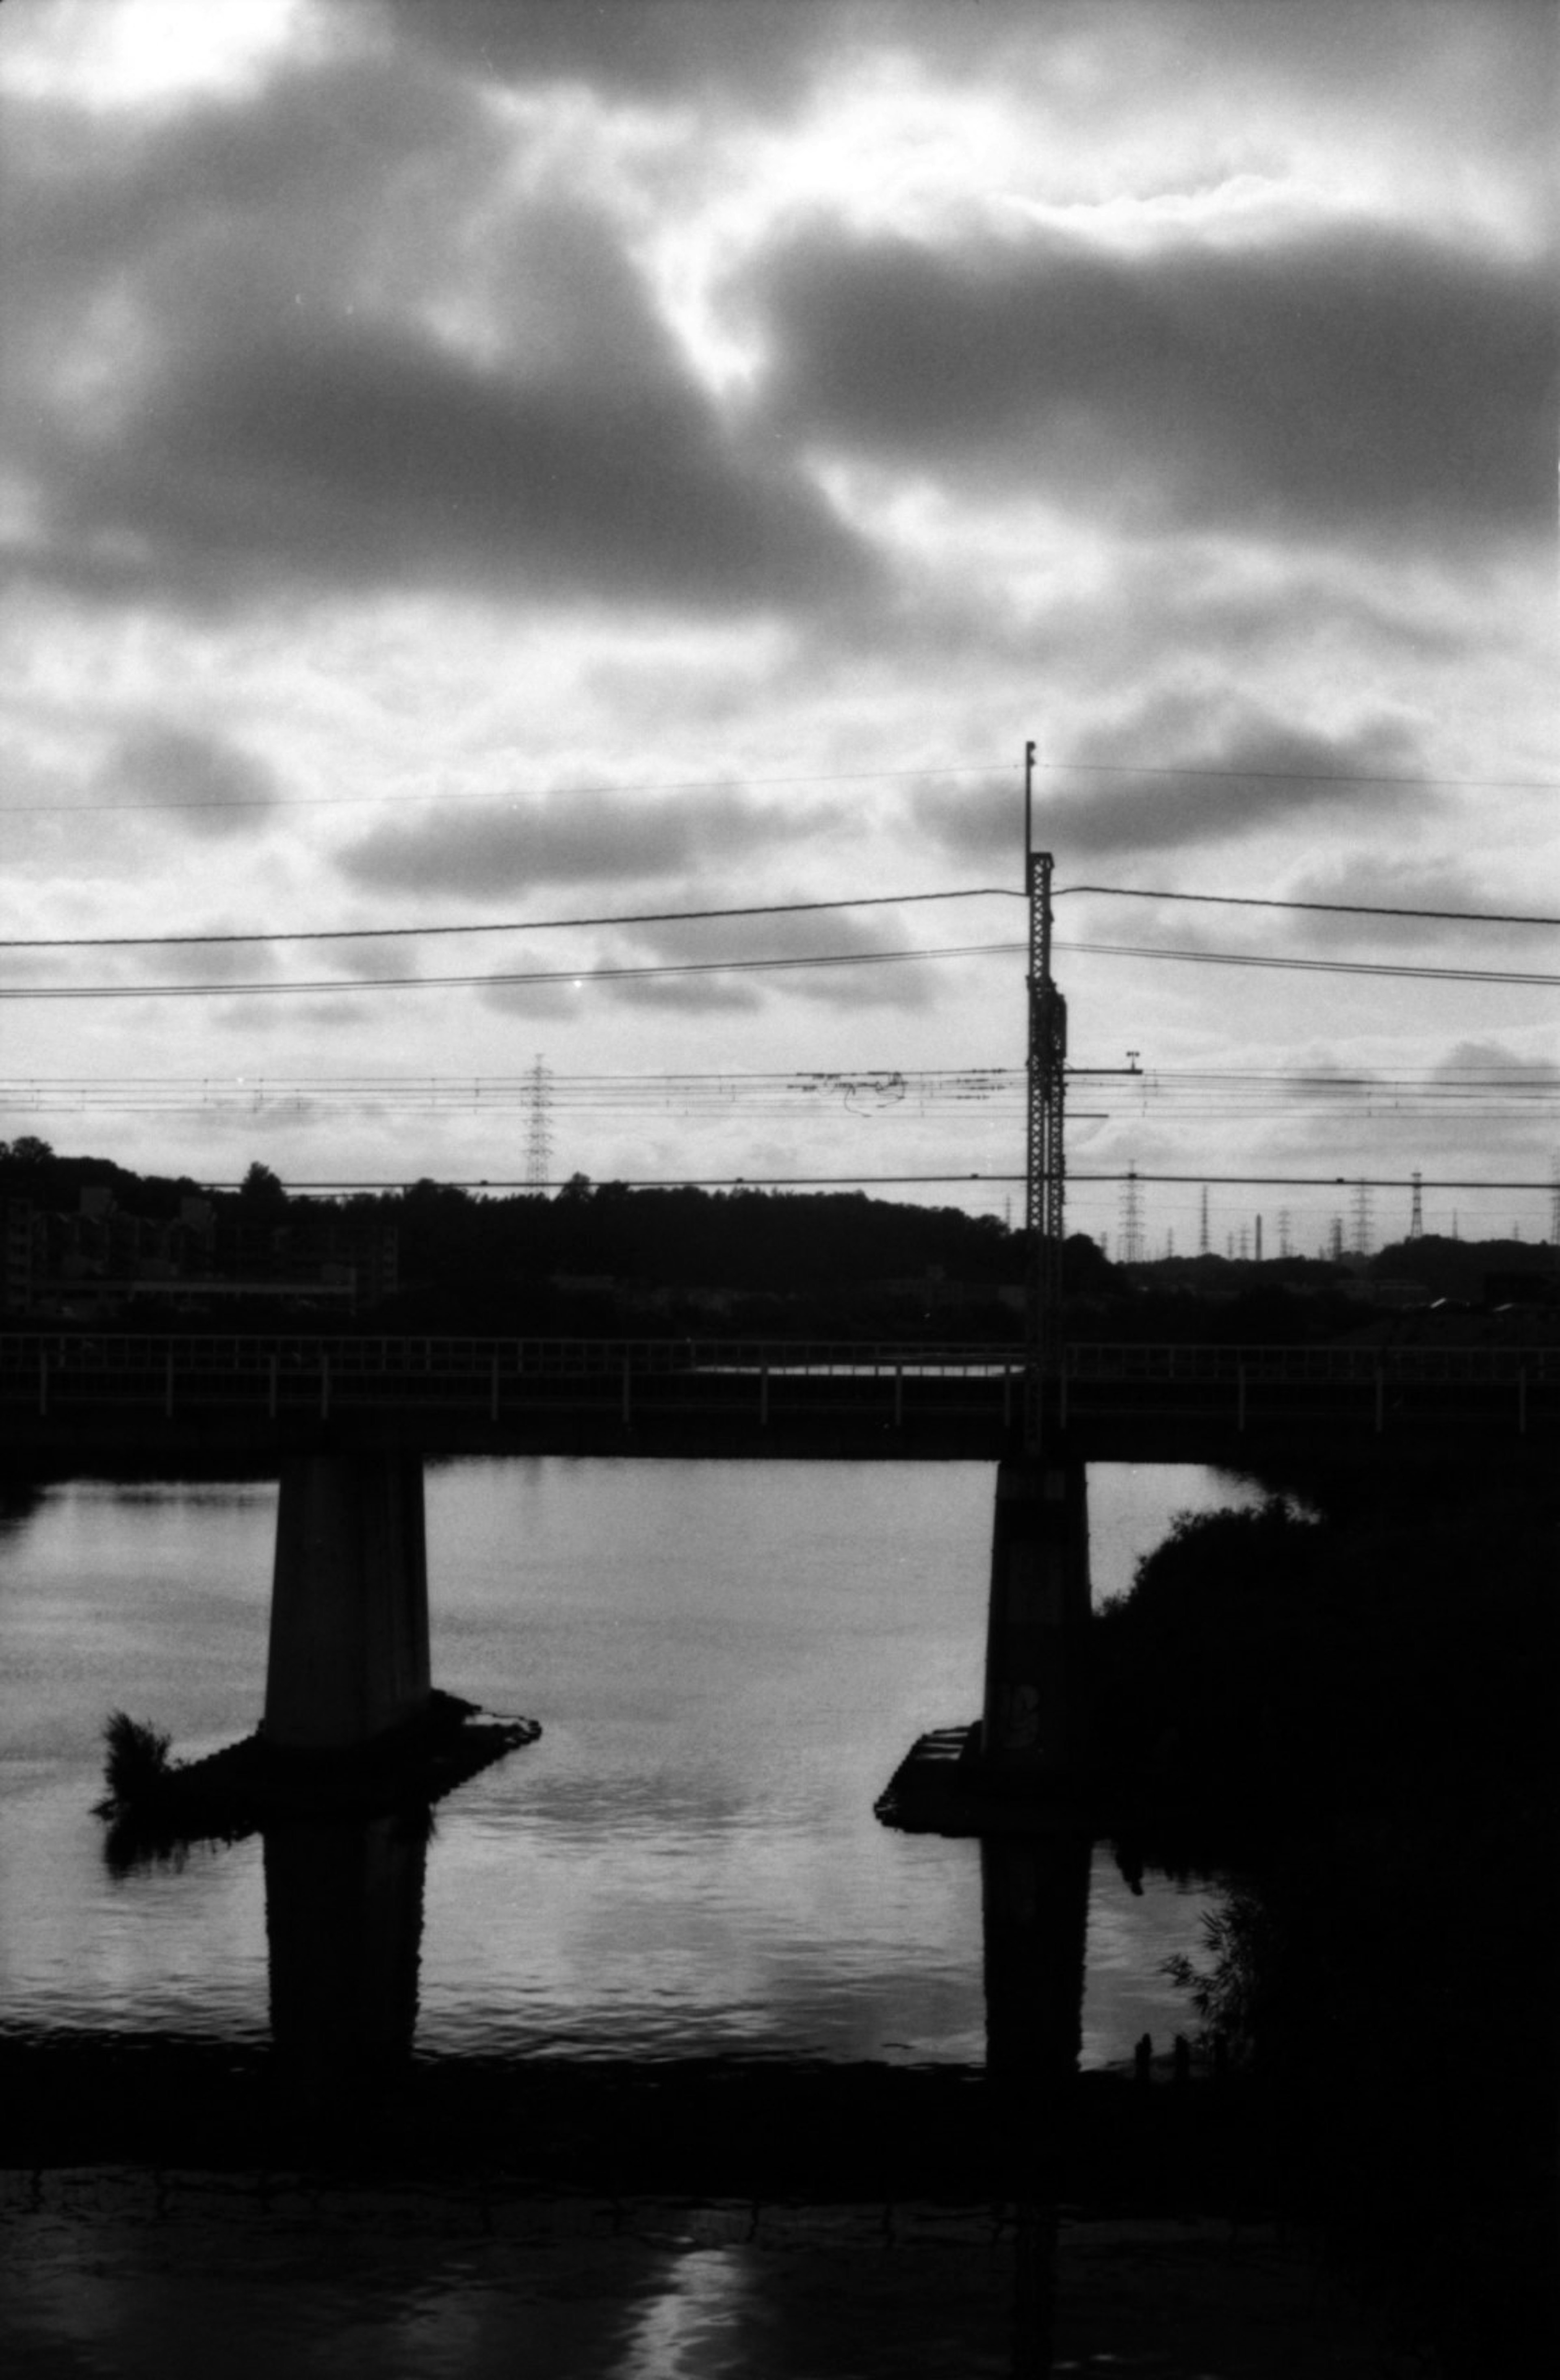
(346, 1424)
(71, 1400)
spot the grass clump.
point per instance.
(136, 1762)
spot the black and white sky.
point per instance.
(473, 460)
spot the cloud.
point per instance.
(202, 963)
(590, 837)
(356, 459)
(327, 342)
(705, 995)
(203, 784)
(680, 942)
(1354, 381)
(1261, 773)
(376, 957)
(761, 49)
(1435, 885)
(1498, 1058)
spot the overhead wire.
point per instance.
(742, 909)
(1327, 908)
(581, 976)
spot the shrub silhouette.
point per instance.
(136, 1761)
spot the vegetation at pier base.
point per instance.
(1352, 1718)
(136, 1765)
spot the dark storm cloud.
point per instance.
(665, 51)
(1260, 774)
(367, 457)
(570, 838)
(203, 784)
(226, 376)
(1356, 381)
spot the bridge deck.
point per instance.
(65, 1396)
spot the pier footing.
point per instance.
(945, 1786)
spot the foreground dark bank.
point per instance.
(1353, 1718)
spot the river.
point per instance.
(728, 1659)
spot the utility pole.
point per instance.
(1416, 1211)
(1259, 1239)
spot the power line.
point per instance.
(580, 976)
(1303, 966)
(860, 1095)
(1298, 776)
(747, 909)
(1329, 908)
(501, 925)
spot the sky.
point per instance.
(477, 464)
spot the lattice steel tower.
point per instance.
(1046, 1167)
(1131, 1235)
(538, 1136)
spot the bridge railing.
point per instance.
(214, 1355)
(135, 1363)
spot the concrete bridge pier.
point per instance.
(1035, 1718)
(348, 1655)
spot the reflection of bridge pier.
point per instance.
(1034, 1906)
(344, 1903)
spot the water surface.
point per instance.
(729, 1661)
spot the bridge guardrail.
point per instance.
(144, 1360)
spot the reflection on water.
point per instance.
(730, 1659)
(344, 1928)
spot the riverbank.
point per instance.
(1351, 1716)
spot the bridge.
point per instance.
(257, 1400)
(347, 1422)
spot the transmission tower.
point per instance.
(1131, 1235)
(1555, 1205)
(1335, 1240)
(1285, 1242)
(1359, 1241)
(1202, 1225)
(1415, 1212)
(538, 1134)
